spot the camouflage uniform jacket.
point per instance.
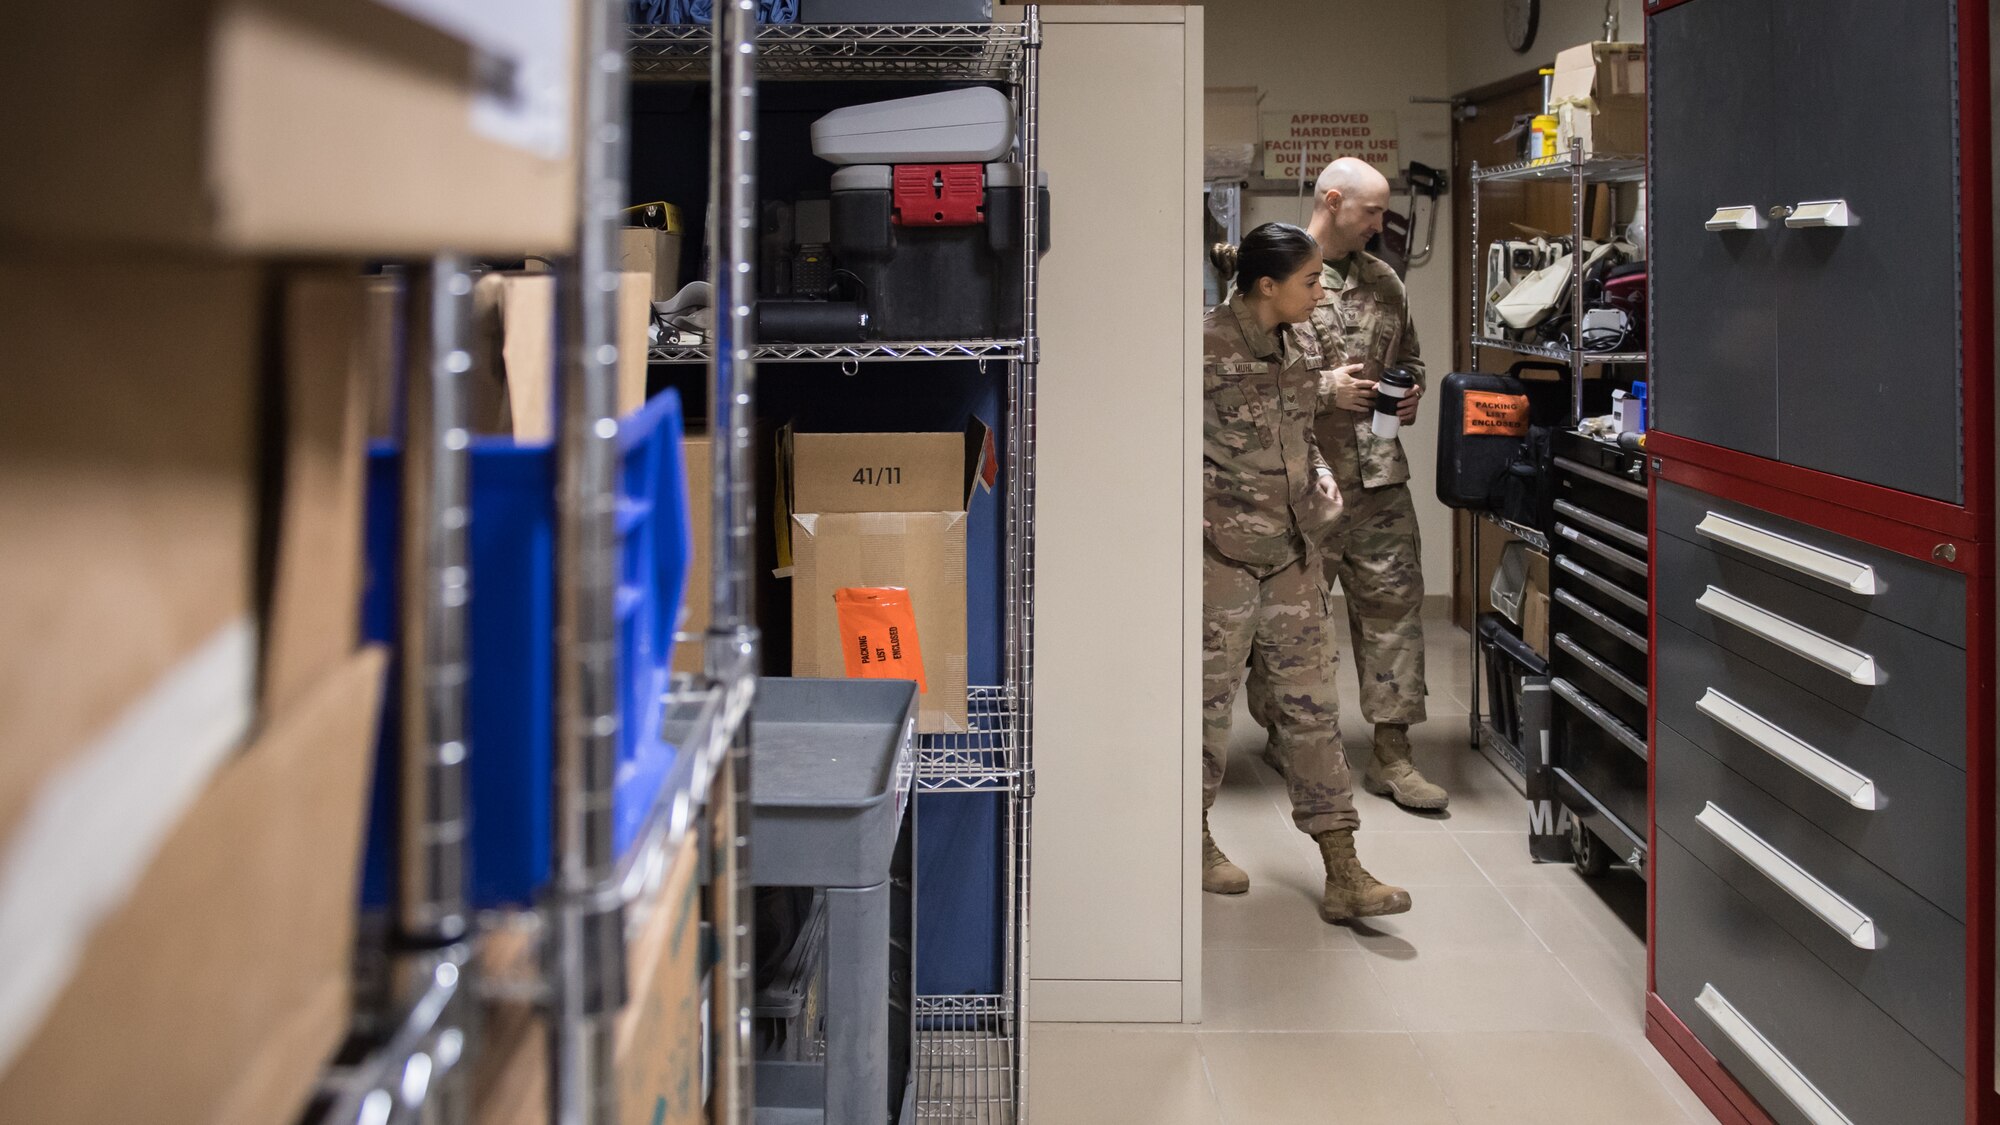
(1260, 459)
(1364, 318)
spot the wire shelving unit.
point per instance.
(429, 989)
(971, 1051)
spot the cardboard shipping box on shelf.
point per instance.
(1599, 97)
(292, 126)
(180, 534)
(655, 253)
(699, 452)
(1535, 613)
(513, 392)
(886, 510)
(658, 1037)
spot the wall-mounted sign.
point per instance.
(1301, 143)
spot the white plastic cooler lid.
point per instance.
(972, 126)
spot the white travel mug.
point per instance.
(1389, 391)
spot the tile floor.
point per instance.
(1512, 993)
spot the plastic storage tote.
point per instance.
(948, 269)
(510, 697)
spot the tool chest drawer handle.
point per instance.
(1822, 213)
(1605, 720)
(1817, 766)
(1610, 527)
(1834, 570)
(1768, 1058)
(1791, 636)
(1578, 468)
(1858, 928)
(1602, 550)
(1735, 218)
(1601, 584)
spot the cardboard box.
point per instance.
(658, 1038)
(1232, 132)
(312, 620)
(290, 126)
(180, 530)
(1535, 617)
(129, 490)
(655, 253)
(513, 392)
(885, 510)
(218, 991)
(699, 452)
(1599, 97)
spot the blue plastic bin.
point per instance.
(510, 707)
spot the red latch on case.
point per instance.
(940, 195)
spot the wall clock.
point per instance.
(1518, 19)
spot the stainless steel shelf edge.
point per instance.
(1605, 169)
(417, 1074)
(1523, 532)
(909, 351)
(991, 52)
(1560, 355)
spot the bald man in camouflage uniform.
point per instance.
(1269, 502)
(1364, 318)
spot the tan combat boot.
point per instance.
(1218, 875)
(1351, 892)
(1391, 775)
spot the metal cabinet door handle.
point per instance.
(1826, 905)
(1768, 1058)
(1818, 767)
(1735, 218)
(1791, 636)
(1834, 570)
(1822, 213)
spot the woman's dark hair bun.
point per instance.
(1274, 250)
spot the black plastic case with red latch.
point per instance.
(933, 251)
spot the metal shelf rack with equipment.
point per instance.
(971, 1048)
(1582, 613)
(575, 974)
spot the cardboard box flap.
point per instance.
(888, 472)
(270, 928)
(1592, 71)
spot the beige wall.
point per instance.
(1342, 54)
(1480, 55)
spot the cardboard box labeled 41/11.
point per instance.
(885, 510)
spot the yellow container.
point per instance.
(1542, 137)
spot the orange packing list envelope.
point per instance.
(878, 632)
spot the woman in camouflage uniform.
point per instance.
(1270, 502)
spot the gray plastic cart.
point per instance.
(831, 783)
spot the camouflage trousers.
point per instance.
(1280, 616)
(1378, 563)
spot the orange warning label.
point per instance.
(1491, 414)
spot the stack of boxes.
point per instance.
(187, 716)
